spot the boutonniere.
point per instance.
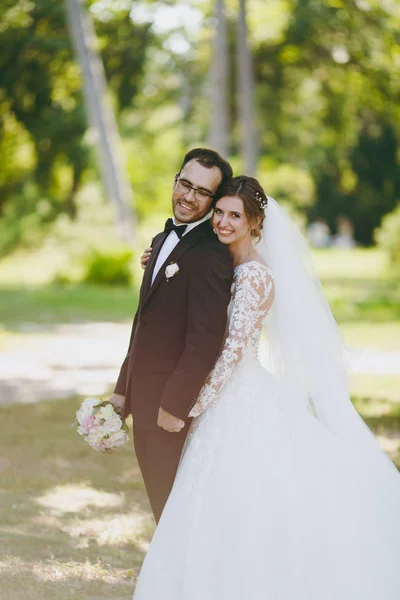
(171, 270)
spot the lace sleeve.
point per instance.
(252, 298)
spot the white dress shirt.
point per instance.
(171, 241)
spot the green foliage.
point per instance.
(152, 164)
(293, 186)
(388, 236)
(40, 95)
(328, 101)
(327, 109)
(123, 45)
(44, 151)
(109, 267)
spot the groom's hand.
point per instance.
(145, 256)
(169, 422)
(118, 401)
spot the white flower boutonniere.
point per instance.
(171, 270)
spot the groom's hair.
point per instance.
(209, 159)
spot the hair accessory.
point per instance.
(261, 201)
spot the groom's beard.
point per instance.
(194, 212)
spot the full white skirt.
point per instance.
(267, 507)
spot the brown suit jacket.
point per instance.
(178, 328)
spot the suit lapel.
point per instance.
(187, 241)
(148, 273)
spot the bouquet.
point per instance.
(101, 426)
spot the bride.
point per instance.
(282, 492)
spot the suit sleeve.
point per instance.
(208, 299)
(120, 386)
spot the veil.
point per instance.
(302, 344)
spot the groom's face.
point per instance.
(190, 205)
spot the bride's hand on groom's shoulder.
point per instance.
(118, 401)
(145, 257)
(169, 422)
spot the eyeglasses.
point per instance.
(184, 187)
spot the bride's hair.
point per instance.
(253, 197)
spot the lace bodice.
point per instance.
(252, 298)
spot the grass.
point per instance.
(377, 399)
(75, 524)
(356, 282)
(363, 295)
(57, 304)
(369, 263)
(368, 335)
(358, 285)
(383, 389)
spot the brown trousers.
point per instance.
(158, 454)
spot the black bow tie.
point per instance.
(179, 229)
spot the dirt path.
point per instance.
(84, 359)
(62, 361)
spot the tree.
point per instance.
(329, 81)
(219, 129)
(101, 116)
(41, 119)
(246, 94)
(44, 148)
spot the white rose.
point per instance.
(112, 424)
(107, 444)
(105, 412)
(95, 445)
(96, 435)
(171, 270)
(119, 438)
(90, 402)
(86, 409)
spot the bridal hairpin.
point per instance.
(261, 201)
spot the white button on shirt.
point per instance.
(171, 241)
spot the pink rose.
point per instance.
(87, 425)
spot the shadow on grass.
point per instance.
(383, 418)
(74, 523)
(378, 415)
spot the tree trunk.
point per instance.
(102, 119)
(245, 80)
(219, 127)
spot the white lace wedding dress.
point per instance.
(266, 506)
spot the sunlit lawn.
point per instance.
(57, 304)
(358, 285)
(364, 297)
(74, 523)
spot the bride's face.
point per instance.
(230, 221)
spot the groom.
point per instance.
(179, 326)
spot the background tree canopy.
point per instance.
(326, 89)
